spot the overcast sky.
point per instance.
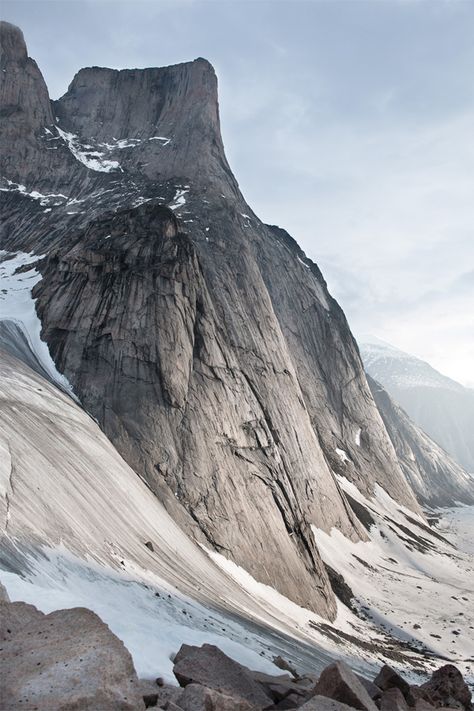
(349, 123)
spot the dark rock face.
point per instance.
(340, 588)
(436, 479)
(204, 342)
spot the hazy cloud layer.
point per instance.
(348, 123)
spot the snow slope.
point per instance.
(18, 276)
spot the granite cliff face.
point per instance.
(203, 341)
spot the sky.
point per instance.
(350, 123)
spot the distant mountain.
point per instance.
(443, 408)
(436, 479)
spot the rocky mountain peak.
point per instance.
(168, 115)
(12, 44)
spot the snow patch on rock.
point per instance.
(18, 276)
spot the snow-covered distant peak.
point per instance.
(395, 368)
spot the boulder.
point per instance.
(372, 689)
(3, 594)
(14, 616)
(279, 687)
(150, 700)
(447, 688)
(200, 698)
(388, 678)
(422, 705)
(65, 661)
(286, 666)
(165, 692)
(209, 666)
(338, 682)
(323, 703)
(291, 701)
(393, 700)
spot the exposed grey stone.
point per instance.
(286, 666)
(166, 692)
(393, 700)
(388, 678)
(279, 687)
(338, 682)
(199, 698)
(447, 688)
(210, 667)
(68, 660)
(323, 703)
(3, 594)
(372, 689)
(14, 616)
(291, 701)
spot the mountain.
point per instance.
(186, 380)
(436, 479)
(443, 408)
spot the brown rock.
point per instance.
(286, 666)
(323, 703)
(279, 687)
(388, 678)
(372, 689)
(166, 693)
(65, 661)
(422, 705)
(209, 666)
(292, 701)
(447, 688)
(200, 698)
(14, 616)
(338, 682)
(393, 700)
(150, 700)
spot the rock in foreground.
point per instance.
(67, 660)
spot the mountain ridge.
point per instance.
(443, 408)
(219, 368)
